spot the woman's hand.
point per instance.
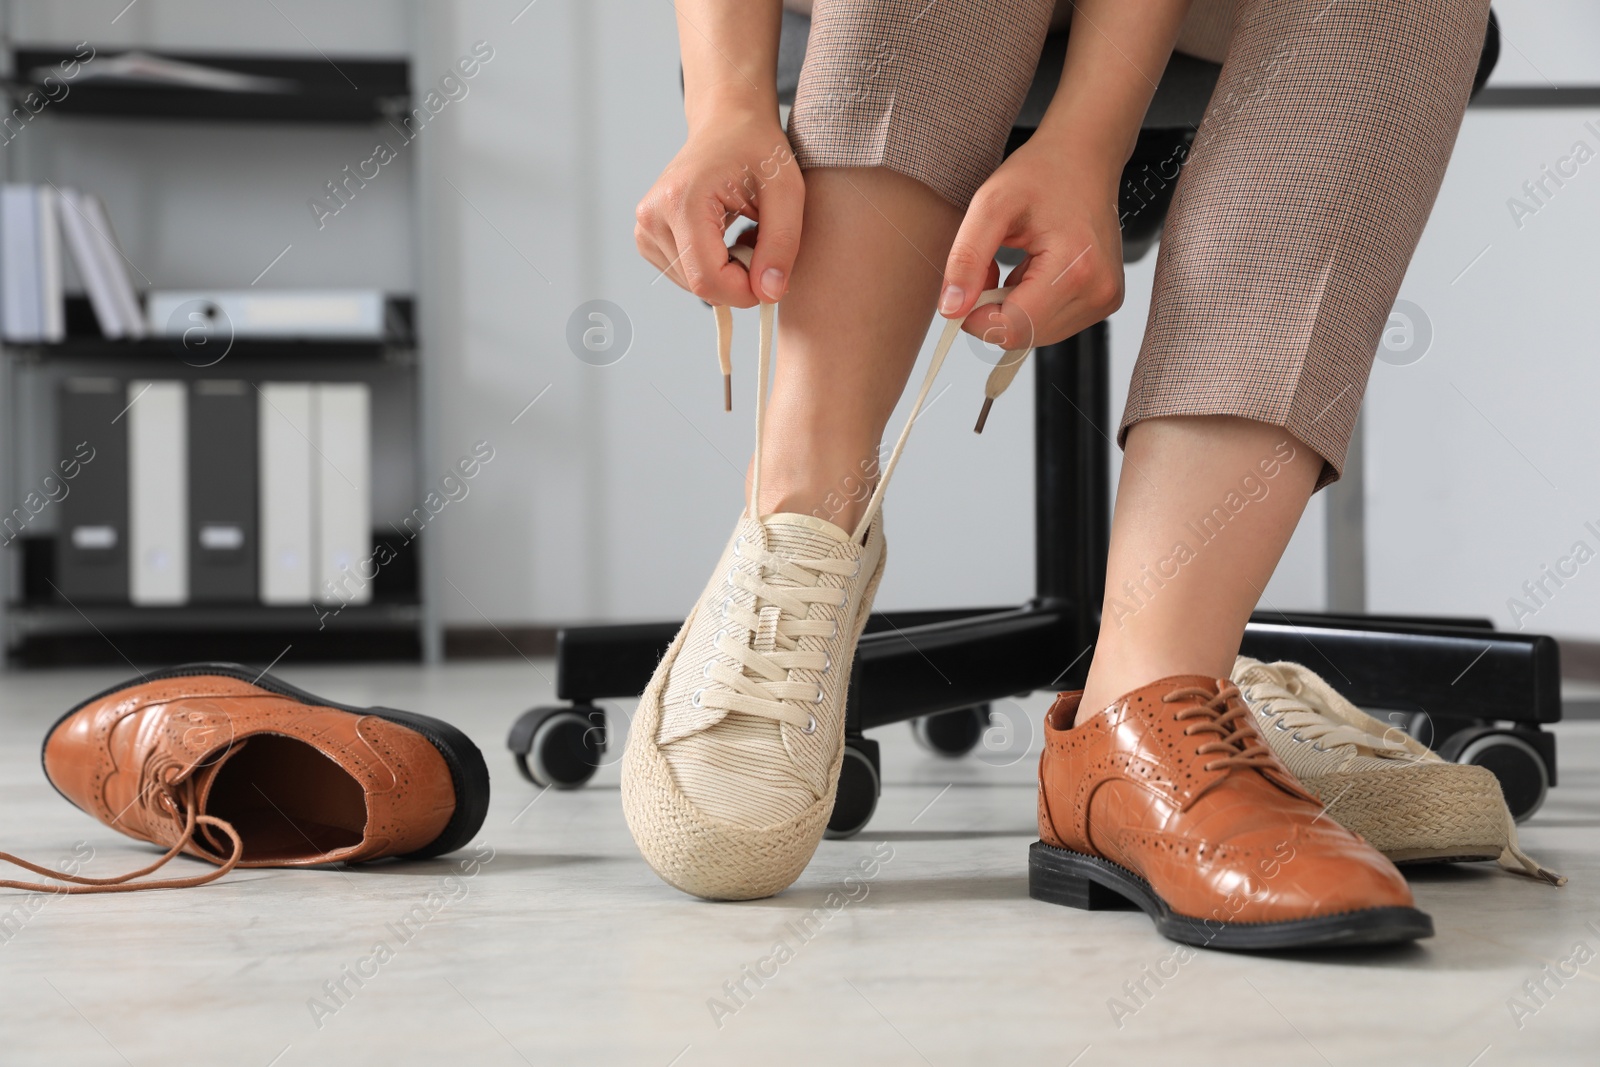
(1059, 206)
(734, 163)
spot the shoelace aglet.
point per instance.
(983, 414)
(725, 353)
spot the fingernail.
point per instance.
(951, 301)
(772, 282)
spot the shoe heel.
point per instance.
(1055, 878)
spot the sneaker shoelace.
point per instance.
(178, 802)
(760, 683)
(1285, 708)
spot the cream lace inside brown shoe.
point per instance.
(1390, 788)
(733, 758)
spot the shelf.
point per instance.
(85, 342)
(57, 635)
(328, 90)
(32, 619)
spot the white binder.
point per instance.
(286, 424)
(115, 263)
(158, 492)
(93, 271)
(52, 295)
(20, 306)
(355, 314)
(343, 479)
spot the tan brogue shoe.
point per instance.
(1170, 799)
(234, 766)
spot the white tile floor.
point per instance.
(564, 948)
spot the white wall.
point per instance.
(1481, 458)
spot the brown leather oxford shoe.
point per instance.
(1169, 799)
(238, 768)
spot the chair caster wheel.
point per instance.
(951, 734)
(1524, 778)
(859, 785)
(559, 747)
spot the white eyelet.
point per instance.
(717, 637)
(695, 697)
(737, 545)
(705, 672)
(835, 630)
(811, 725)
(726, 604)
(827, 663)
(729, 579)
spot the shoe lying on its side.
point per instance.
(1170, 800)
(237, 768)
(1410, 804)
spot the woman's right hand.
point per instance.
(733, 164)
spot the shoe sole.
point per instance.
(1061, 876)
(469, 775)
(1411, 857)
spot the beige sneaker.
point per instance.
(733, 757)
(1377, 780)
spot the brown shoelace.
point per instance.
(1225, 715)
(125, 883)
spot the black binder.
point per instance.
(92, 532)
(222, 492)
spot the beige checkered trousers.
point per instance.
(1301, 204)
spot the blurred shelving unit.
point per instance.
(38, 626)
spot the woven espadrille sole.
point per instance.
(709, 857)
(1430, 812)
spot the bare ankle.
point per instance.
(835, 492)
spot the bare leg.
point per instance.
(1205, 508)
(858, 308)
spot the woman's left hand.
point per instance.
(1060, 208)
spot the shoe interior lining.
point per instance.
(287, 801)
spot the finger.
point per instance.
(703, 256)
(991, 278)
(983, 322)
(987, 224)
(780, 205)
(655, 242)
(1057, 298)
(654, 252)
